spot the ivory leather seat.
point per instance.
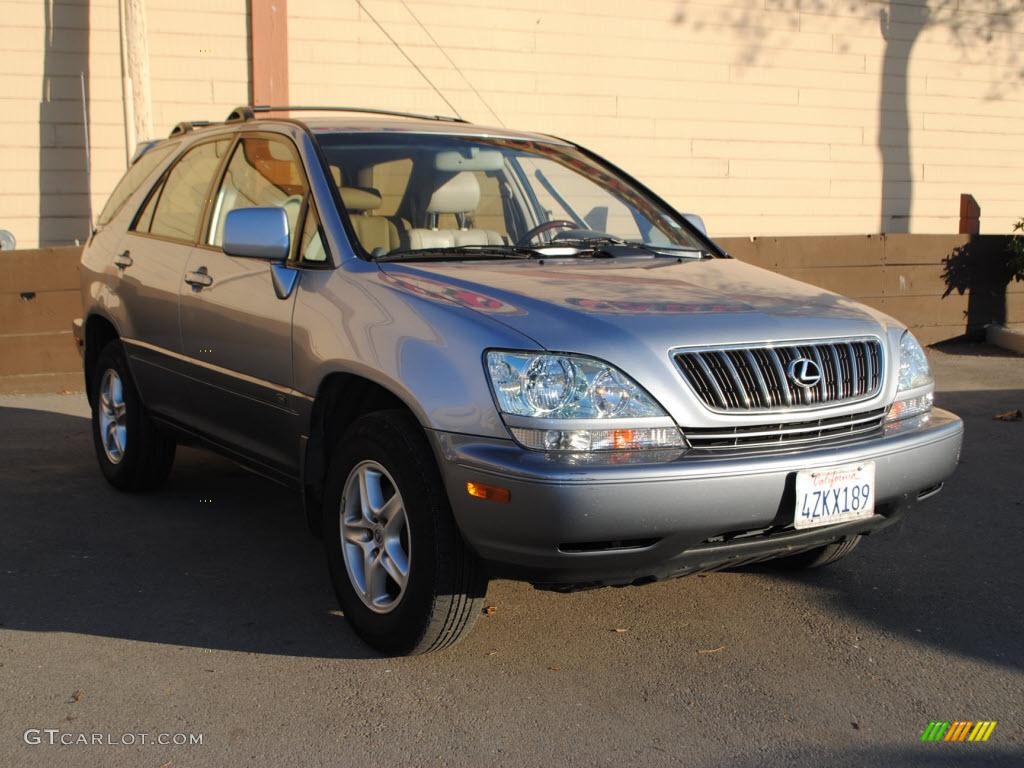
(376, 233)
(460, 196)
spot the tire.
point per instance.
(133, 454)
(817, 557)
(385, 456)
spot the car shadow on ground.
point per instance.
(918, 755)
(950, 574)
(221, 559)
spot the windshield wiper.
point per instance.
(459, 252)
(608, 247)
(569, 247)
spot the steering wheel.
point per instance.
(540, 229)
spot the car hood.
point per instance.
(632, 312)
(594, 305)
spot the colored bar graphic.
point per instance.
(958, 730)
(982, 730)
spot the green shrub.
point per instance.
(968, 264)
(1016, 260)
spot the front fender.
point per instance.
(425, 350)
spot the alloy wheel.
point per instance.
(375, 538)
(113, 416)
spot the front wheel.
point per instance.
(134, 455)
(404, 578)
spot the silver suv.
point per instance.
(478, 352)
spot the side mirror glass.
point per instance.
(257, 233)
(697, 222)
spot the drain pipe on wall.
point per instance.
(138, 118)
(88, 149)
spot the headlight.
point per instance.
(914, 370)
(916, 385)
(565, 403)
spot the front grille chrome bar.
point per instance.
(759, 378)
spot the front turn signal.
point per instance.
(489, 492)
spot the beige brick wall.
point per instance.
(199, 68)
(763, 115)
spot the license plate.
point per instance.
(834, 495)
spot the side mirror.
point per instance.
(697, 222)
(257, 233)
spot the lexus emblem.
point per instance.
(804, 373)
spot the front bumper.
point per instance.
(631, 518)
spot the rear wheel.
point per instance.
(404, 578)
(133, 454)
(817, 557)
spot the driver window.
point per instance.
(263, 173)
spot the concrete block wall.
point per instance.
(39, 297)
(898, 274)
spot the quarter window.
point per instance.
(131, 181)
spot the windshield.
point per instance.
(409, 193)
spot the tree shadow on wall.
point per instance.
(65, 208)
(901, 23)
(983, 269)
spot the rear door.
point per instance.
(151, 260)
(235, 329)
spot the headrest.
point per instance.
(360, 198)
(336, 175)
(460, 194)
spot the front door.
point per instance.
(235, 330)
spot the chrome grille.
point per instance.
(757, 378)
(799, 433)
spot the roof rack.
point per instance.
(245, 113)
(188, 126)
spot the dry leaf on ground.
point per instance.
(1016, 415)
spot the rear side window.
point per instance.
(131, 181)
(175, 210)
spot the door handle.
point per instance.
(123, 260)
(199, 279)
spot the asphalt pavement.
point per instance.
(204, 610)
